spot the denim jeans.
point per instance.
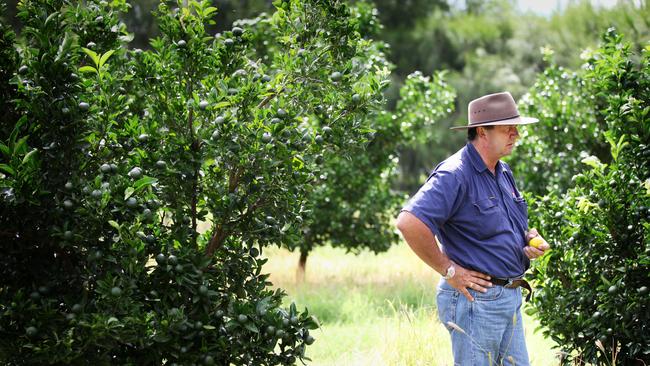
(487, 331)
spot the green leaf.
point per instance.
(161, 337)
(593, 162)
(297, 163)
(585, 205)
(54, 15)
(105, 57)
(620, 145)
(615, 146)
(64, 47)
(92, 54)
(114, 224)
(208, 11)
(221, 105)
(127, 37)
(605, 281)
(14, 133)
(312, 323)
(4, 149)
(7, 169)
(88, 69)
(21, 146)
(231, 324)
(263, 305)
(250, 326)
(128, 192)
(144, 182)
(29, 156)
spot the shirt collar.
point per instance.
(477, 161)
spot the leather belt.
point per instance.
(513, 283)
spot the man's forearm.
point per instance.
(422, 242)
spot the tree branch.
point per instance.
(266, 100)
(220, 233)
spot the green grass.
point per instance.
(376, 309)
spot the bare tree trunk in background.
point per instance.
(302, 263)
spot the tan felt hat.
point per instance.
(494, 109)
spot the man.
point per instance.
(471, 205)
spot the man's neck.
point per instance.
(489, 160)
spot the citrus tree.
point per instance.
(599, 229)
(570, 127)
(139, 188)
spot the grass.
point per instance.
(376, 309)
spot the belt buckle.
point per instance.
(510, 283)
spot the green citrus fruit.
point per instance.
(131, 202)
(32, 331)
(135, 173)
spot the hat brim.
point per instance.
(511, 121)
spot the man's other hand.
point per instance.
(533, 252)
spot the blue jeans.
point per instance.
(487, 331)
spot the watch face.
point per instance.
(451, 271)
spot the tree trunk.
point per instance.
(302, 263)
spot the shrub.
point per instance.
(597, 270)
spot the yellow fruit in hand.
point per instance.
(536, 242)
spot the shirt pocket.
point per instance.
(489, 219)
(522, 208)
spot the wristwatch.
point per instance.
(451, 271)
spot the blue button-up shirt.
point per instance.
(479, 218)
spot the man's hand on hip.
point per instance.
(464, 279)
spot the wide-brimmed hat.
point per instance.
(494, 109)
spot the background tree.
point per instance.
(550, 153)
(599, 228)
(354, 204)
(116, 156)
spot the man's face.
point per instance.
(501, 139)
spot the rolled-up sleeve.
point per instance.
(436, 201)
